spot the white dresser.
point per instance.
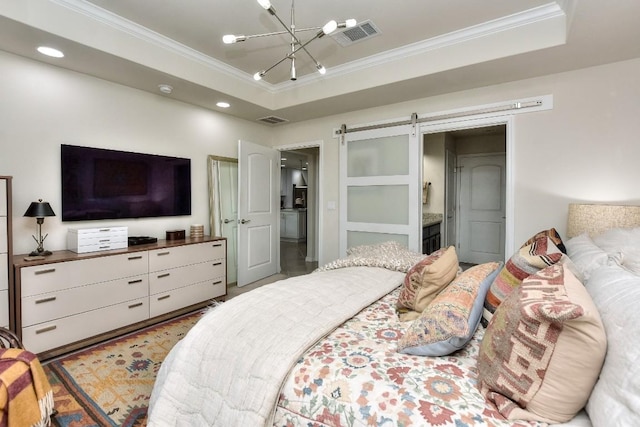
(70, 300)
(184, 275)
(6, 272)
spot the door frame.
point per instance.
(320, 191)
(478, 122)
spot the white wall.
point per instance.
(585, 149)
(45, 106)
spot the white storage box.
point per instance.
(83, 240)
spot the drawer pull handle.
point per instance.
(105, 240)
(218, 282)
(163, 253)
(131, 282)
(105, 247)
(164, 297)
(217, 263)
(217, 245)
(41, 301)
(160, 276)
(132, 258)
(105, 229)
(48, 270)
(47, 329)
(135, 305)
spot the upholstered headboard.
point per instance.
(594, 219)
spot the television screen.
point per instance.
(108, 184)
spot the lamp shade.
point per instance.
(39, 209)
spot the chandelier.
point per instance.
(296, 45)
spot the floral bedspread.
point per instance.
(354, 377)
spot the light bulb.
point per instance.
(258, 76)
(351, 23)
(228, 39)
(330, 27)
(266, 4)
(321, 69)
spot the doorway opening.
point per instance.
(299, 191)
(464, 196)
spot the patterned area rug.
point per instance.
(110, 384)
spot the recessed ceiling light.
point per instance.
(49, 51)
(223, 104)
(165, 88)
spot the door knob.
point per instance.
(227, 221)
(244, 221)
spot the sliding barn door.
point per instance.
(379, 188)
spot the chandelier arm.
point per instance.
(289, 30)
(277, 33)
(293, 52)
(303, 47)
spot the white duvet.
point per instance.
(229, 368)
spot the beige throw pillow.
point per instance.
(425, 280)
(543, 349)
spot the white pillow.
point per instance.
(623, 246)
(585, 254)
(616, 395)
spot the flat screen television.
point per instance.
(108, 184)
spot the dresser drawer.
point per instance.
(4, 271)
(162, 281)
(46, 278)
(178, 298)
(3, 234)
(3, 197)
(49, 306)
(4, 309)
(164, 259)
(49, 335)
(102, 245)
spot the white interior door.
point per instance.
(482, 208)
(258, 209)
(380, 194)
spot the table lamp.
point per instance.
(39, 210)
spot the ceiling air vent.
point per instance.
(272, 120)
(364, 30)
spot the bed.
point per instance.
(388, 337)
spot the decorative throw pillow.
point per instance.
(531, 258)
(449, 322)
(553, 235)
(543, 349)
(425, 280)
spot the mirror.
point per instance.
(223, 207)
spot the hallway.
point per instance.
(292, 259)
(292, 263)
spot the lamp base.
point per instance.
(42, 253)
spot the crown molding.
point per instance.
(138, 31)
(552, 10)
(542, 13)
